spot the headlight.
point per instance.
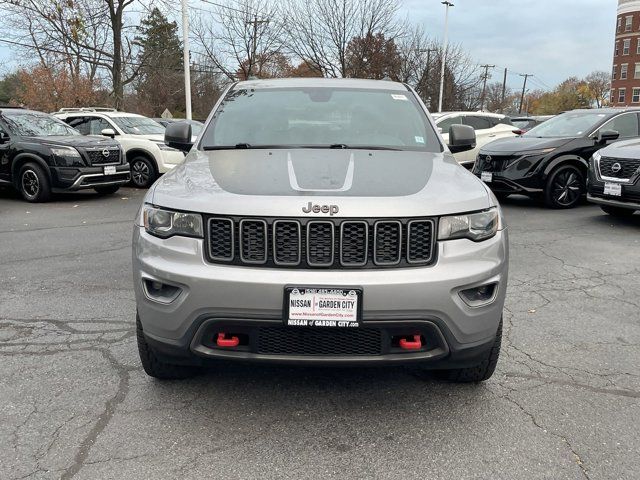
(474, 226)
(65, 152)
(164, 146)
(596, 156)
(167, 223)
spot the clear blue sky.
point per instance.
(553, 39)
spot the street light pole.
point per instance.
(444, 51)
(185, 58)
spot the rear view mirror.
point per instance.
(108, 132)
(607, 136)
(178, 135)
(461, 138)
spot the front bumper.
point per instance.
(72, 179)
(217, 298)
(629, 198)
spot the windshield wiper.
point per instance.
(227, 147)
(338, 145)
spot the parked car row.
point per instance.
(561, 160)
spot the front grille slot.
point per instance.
(387, 243)
(330, 243)
(320, 240)
(628, 167)
(98, 157)
(287, 242)
(253, 241)
(419, 241)
(303, 341)
(221, 239)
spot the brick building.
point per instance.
(625, 80)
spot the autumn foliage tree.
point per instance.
(372, 56)
(49, 89)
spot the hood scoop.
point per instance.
(319, 181)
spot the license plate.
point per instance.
(613, 189)
(322, 307)
(486, 177)
(110, 170)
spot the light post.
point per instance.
(185, 58)
(444, 51)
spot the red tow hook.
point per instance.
(227, 342)
(415, 344)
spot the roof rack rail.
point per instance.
(88, 109)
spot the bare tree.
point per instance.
(241, 39)
(599, 85)
(319, 31)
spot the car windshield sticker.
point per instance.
(419, 139)
(399, 97)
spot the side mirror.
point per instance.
(108, 132)
(605, 136)
(461, 138)
(178, 135)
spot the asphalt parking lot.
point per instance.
(75, 403)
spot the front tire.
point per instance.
(143, 172)
(617, 211)
(107, 189)
(480, 372)
(153, 366)
(565, 187)
(33, 183)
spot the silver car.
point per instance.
(320, 221)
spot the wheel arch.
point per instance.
(140, 152)
(562, 160)
(23, 158)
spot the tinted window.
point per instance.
(79, 123)
(477, 122)
(625, 125)
(447, 122)
(570, 124)
(524, 124)
(321, 117)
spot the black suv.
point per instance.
(40, 154)
(551, 160)
(614, 178)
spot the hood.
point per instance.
(625, 149)
(75, 141)
(515, 145)
(361, 183)
(158, 137)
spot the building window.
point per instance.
(624, 68)
(626, 45)
(612, 95)
(613, 74)
(628, 22)
(622, 93)
(636, 95)
(636, 73)
(618, 48)
(638, 48)
(619, 23)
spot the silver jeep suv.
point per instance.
(320, 221)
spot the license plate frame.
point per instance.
(320, 320)
(109, 169)
(486, 177)
(612, 189)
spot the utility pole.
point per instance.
(424, 79)
(484, 84)
(524, 86)
(444, 51)
(504, 89)
(185, 58)
(254, 42)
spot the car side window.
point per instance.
(79, 123)
(477, 122)
(626, 125)
(97, 124)
(447, 122)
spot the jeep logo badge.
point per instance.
(330, 209)
(616, 167)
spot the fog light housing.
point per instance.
(480, 295)
(159, 291)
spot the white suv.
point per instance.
(488, 127)
(141, 138)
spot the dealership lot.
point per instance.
(75, 403)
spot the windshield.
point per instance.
(570, 124)
(36, 124)
(320, 117)
(138, 125)
(524, 124)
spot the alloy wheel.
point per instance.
(140, 173)
(30, 183)
(566, 187)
